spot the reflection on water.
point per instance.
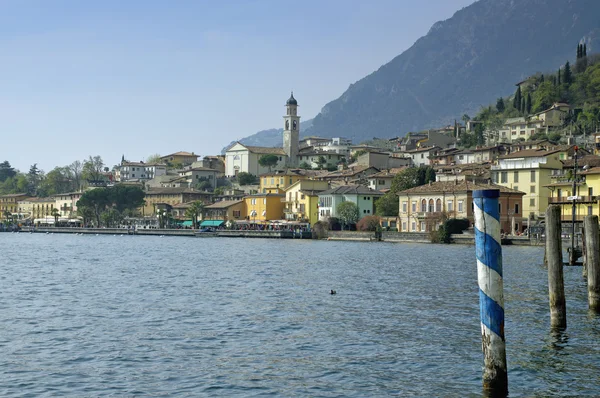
(150, 316)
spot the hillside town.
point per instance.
(311, 180)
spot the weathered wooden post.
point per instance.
(491, 290)
(593, 261)
(556, 286)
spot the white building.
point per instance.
(360, 195)
(127, 171)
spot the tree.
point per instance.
(387, 205)
(92, 169)
(347, 213)
(305, 166)
(33, 177)
(153, 159)
(125, 197)
(55, 213)
(558, 82)
(56, 181)
(195, 210)
(579, 51)
(203, 185)
(6, 171)
(544, 97)
(567, 75)
(368, 223)
(97, 200)
(269, 161)
(528, 104)
(245, 178)
(75, 169)
(321, 161)
(517, 98)
(406, 179)
(499, 105)
(584, 49)
(465, 118)
(522, 105)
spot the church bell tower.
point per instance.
(291, 131)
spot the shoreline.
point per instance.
(349, 236)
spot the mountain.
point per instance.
(462, 63)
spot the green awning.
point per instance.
(188, 223)
(212, 223)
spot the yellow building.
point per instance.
(264, 207)
(530, 171)
(586, 194)
(278, 181)
(9, 204)
(42, 207)
(169, 197)
(183, 158)
(302, 200)
(226, 210)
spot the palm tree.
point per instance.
(55, 213)
(195, 210)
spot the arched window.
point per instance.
(438, 206)
(431, 208)
(423, 205)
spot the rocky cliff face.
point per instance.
(462, 63)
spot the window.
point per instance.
(404, 207)
(264, 201)
(460, 206)
(414, 226)
(236, 214)
(364, 211)
(414, 206)
(423, 205)
(423, 226)
(503, 177)
(532, 202)
(532, 175)
(265, 181)
(404, 226)
(516, 177)
(591, 191)
(516, 208)
(430, 208)
(290, 180)
(438, 206)
(516, 188)
(272, 181)
(499, 208)
(532, 189)
(590, 211)
(450, 205)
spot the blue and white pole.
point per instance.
(491, 289)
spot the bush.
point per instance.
(368, 223)
(334, 224)
(449, 227)
(319, 230)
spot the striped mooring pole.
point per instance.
(491, 289)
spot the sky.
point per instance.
(140, 77)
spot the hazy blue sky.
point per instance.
(140, 77)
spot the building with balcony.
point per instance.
(424, 208)
(139, 171)
(530, 171)
(277, 181)
(226, 210)
(194, 176)
(302, 201)
(360, 195)
(9, 204)
(180, 158)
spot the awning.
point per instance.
(187, 223)
(211, 223)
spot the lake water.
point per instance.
(150, 316)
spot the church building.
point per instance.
(244, 158)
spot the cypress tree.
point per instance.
(522, 105)
(500, 105)
(528, 103)
(558, 78)
(542, 79)
(517, 99)
(584, 53)
(567, 76)
(579, 51)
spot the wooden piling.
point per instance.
(593, 261)
(556, 286)
(491, 290)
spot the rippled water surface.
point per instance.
(150, 316)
